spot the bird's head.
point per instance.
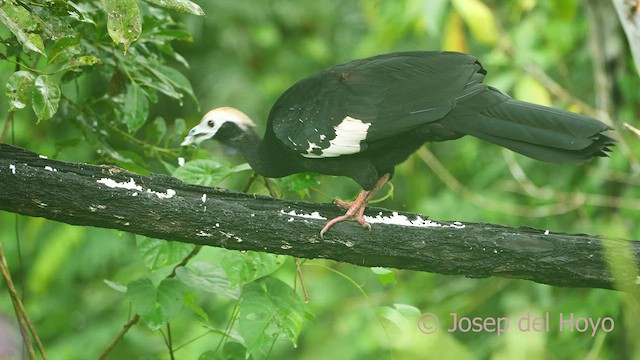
(225, 124)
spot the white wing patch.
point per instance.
(349, 133)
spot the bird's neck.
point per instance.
(264, 157)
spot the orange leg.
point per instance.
(355, 208)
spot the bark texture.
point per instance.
(163, 207)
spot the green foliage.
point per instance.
(120, 81)
(156, 305)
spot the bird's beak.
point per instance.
(188, 140)
(197, 134)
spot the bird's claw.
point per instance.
(357, 217)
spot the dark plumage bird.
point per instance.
(362, 118)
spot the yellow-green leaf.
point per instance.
(529, 89)
(479, 19)
(454, 38)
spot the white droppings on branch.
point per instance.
(49, 168)
(204, 197)
(131, 185)
(12, 168)
(203, 234)
(313, 215)
(165, 195)
(397, 219)
(96, 207)
(42, 157)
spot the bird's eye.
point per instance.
(210, 123)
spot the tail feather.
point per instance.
(537, 131)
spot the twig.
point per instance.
(632, 129)
(118, 337)
(527, 187)
(136, 318)
(7, 125)
(21, 313)
(508, 208)
(302, 285)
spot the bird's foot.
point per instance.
(355, 208)
(355, 211)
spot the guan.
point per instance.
(362, 118)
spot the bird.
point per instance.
(361, 118)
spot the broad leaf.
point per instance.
(156, 306)
(243, 268)
(202, 172)
(54, 26)
(184, 6)
(136, 108)
(207, 277)
(45, 97)
(158, 253)
(22, 24)
(385, 275)
(269, 309)
(124, 21)
(173, 78)
(19, 88)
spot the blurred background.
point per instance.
(569, 54)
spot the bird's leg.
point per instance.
(355, 208)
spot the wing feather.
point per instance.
(350, 107)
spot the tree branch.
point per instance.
(163, 207)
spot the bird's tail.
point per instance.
(536, 131)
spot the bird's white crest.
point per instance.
(212, 122)
(349, 133)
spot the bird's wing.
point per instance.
(351, 107)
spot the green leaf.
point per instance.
(202, 172)
(269, 309)
(19, 88)
(243, 268)
(22, 24)
(156, 306)
(54, 26)
(179, 128)
(301, 183)
(190, 301)
(207, 277)
(401, 315)
(173, 78)
(183, 6)
(385, 275)
(160, 129)
(234, 351)
(45, 97)
(63, 50)
(124, 21)
(80, 61)
(479, 18)
(158, 253)
(116, 286)
(136, 108)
